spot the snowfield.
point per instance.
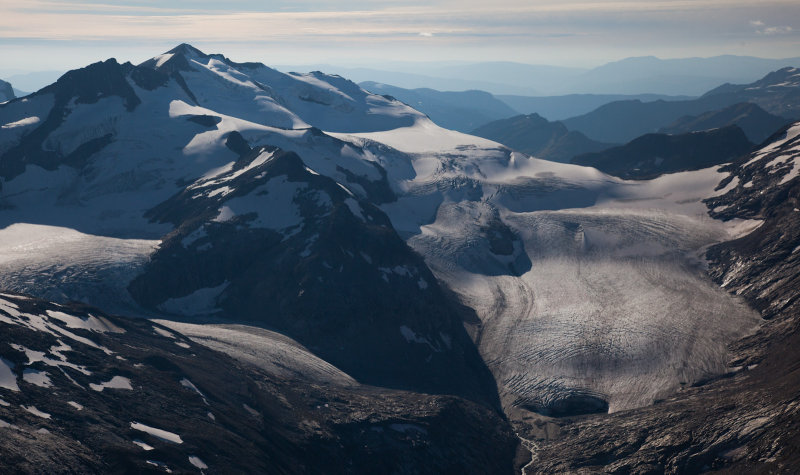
(59, 263)
(275, 353)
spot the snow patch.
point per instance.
(157, 433)
(117, 382)
(272, 204)
(8, 380)
(161, 59)
(36, 412)
(792, 174)
(252, 411)
(22, 123)
(39, 356)
(160, 465)
(96, 324)
(355, 208)
(195, 460)
(144, 446)
(164, 333)
(189, 385)
(36, 377)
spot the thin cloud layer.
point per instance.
(519, 30)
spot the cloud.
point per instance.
(520, 30)
(776, 30)
(762, 28)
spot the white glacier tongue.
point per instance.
(599, 300)
(606, 301)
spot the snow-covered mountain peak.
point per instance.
(788, 77)
(187, 50)
(269, 97)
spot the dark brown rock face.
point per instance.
(87, 392)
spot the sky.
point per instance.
(59, 35)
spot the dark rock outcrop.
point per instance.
(538, 137)
(756, 123)
(6, 91)
(339, 280)
(83, 86)
(100, 394)
(654, 154)
(778, 93)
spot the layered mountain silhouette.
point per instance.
(652, 155)
(754, 121)
(776, 93)
(623, 121)
(536, 136)
(572, 105)
(462, 111)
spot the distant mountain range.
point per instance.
(462, 111)
(571, 105)
(484, 115)
(536, 136)
(31, 81)
(639, 75)
(619, 121)
(683, 76)
(756, 123)
(652, 155)
(777, 93)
